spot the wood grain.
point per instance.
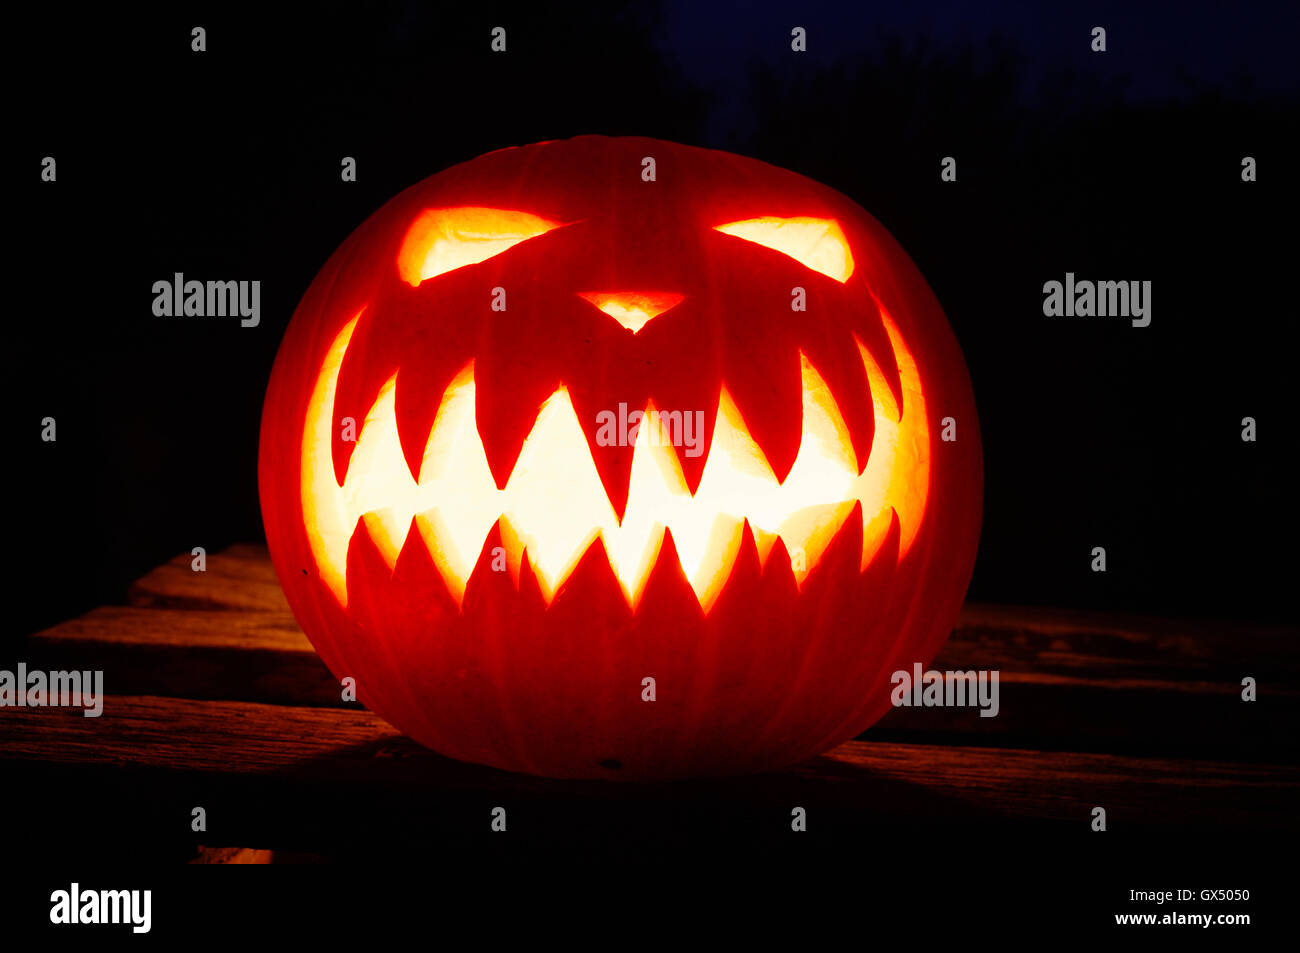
(285, 777)
(251, 655)
(238, 578)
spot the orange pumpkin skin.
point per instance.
(791, 655)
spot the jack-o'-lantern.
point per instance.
(618, 458)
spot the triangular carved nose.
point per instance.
(632, 309)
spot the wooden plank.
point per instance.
(1082, 680)
(282, 777)
(184, 629)
(231, 855)
(1125, 646)
(238, 578)
(190, 653)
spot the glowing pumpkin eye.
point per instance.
(444, 239)
(816, 243)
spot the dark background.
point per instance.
(1122, 165)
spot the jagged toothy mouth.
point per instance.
(554, 498)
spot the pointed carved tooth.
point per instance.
(810, 533)
(452, 566)
(768, 394)
(600, 416)
(689, 413)
(886, 404)
(517, 366)
(745, 572)
(837, 362)
(871, 332)
(592, 571)
(516, 551)
(421, 385)
(384, 535)
(764, 540)
(358, 384)
(483, 587)
(874, 533)
(667, 588)
(505, 417)
(606, 373)
(709, 570)
(779, 583)
(679, 356)
(427, 590)
(840, 550)
(531, 597)
(368, 568)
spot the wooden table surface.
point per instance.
(217, 699)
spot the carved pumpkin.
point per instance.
(468, 522)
